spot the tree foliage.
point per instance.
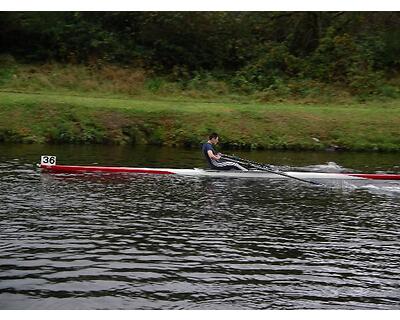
(254, 49)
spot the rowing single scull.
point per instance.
(48, 164)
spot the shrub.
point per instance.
(272, 64)
(7, 68)
(342, 59)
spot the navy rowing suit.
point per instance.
(219, 164)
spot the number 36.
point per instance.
(48, 160)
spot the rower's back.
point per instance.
(205, 148)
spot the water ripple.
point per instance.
(143, 242)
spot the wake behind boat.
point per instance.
(48, 164)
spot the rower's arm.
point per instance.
(212, 155)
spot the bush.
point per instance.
(7, 60)
(342, 59)
(273, 64)
(154, 84)
(7, 68)
(389, 91)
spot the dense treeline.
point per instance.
(253, 51)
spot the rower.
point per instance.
(214, 159)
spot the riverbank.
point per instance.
(65, 118)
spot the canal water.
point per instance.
(131, 241)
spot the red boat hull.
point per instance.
(78, 169)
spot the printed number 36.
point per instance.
(48, 160)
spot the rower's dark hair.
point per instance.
(213, 135)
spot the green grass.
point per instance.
(62, 118)
(111, 81)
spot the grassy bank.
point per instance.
(128, 82)
(65, 118)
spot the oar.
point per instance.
(232, 157)
(263, 167)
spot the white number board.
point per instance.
(48, 160)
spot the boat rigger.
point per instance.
(48, 164)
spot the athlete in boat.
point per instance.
(214, 159)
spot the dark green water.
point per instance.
(164, 242)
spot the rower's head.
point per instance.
(213, 138)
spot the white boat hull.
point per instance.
(216, 173)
